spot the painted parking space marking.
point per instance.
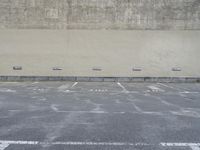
(168, 86)
(88, 112)
(98, 90)
(5, 144)
(182, 92)
(155, 89)
(74, 84)
(66, 87)
(63, 87)
(5, 90)
(195, 147)
(188, 92)
(123, 88)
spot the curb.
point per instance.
(102, 79)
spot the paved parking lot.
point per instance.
(99, 115)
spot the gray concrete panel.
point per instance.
(100, 14)
(116, 53)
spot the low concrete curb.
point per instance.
(102, 79)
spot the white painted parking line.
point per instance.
(54, 107)
(171, 87)
(5, 90)
(74, 84)
(155, 89)
(89, 112)
(179, 144)
(123, 88)
(34, 83)
(187, 92)
(98, 90)
(63, 87)
(73, 143)
(4, 144)
(195, 147)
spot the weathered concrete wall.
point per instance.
(122, 52)
(100, 14)
(107, 53)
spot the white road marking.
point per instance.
(14, 110)
(180, 92)
(63, 87)
(187, 92)
(106, 112)
(137, 108)
(42, 99)
(73, 143)
(123, 88)
(189, 113)
(167, 86)
(155, 89)
(195, 147)
(7, 90)
(98, 90)
(74, 84)
(4, 144)
(68, 91)
(66, 87)
(92, 111)
(54, 107)
(34, 83)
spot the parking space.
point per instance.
(99, 115)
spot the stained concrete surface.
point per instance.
(148, 113)
(98, 38)
(100, 14)
(95, 38)
(116, 53)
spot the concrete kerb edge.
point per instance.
(101, 79)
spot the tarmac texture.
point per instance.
(99, 115)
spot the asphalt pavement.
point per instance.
(99, 116)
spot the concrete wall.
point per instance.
(100, 14)
(166, 43)
(100, 53)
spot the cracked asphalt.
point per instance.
(99, 115)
